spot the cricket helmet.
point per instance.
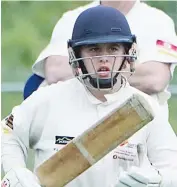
(100, 25)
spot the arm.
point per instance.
(14, 150)
(157, 156)
(17, 139)
(57, 68)
(162, 150)
(14, 155)
(57, 51)
(151, 77)
(16, 129)
(154, 69)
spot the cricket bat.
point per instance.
(93, 144)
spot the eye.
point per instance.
(93, 49)
(114, 48)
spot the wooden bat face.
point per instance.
(93, 144)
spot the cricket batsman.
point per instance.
(99, 50)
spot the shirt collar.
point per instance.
(112, 97)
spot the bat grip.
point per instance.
(84, 151)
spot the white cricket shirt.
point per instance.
(53, 115)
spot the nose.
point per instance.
(104, 59)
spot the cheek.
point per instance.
(88, 65)
(118, 63)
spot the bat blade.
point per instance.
(93, 144)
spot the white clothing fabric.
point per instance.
(41, 121)
(147, 23)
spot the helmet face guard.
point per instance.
(100, 25)
(92, 79)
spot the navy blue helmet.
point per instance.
(100, 25)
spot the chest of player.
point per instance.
(64, 123)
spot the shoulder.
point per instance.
(155, 22)
(61, 90)
(155, 15)
(78, 10)
(66, 22)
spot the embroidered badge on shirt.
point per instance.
(166, 48)
(9, 121)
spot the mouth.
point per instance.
(103, 72)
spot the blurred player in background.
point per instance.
(98, 55)
(154, 69)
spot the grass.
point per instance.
(9, 100)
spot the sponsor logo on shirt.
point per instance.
(63, 140)
(124, 143)
(125, 151)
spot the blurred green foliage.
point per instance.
(26, 30)
(27, 27)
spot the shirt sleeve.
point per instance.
(161, 144)
(58, 44)
(160, 28)
(31, 85)
(62, 32)
(15, 131)
(64, 27)
(162, 150)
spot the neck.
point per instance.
(100, 95)
(121, 5)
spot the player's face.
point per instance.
(102, 65)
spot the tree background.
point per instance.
(27, 27)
